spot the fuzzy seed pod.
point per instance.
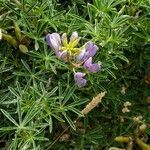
(17, 31)
(11, 40)
(23, 48)
(122, 139)
(95, 101)
(142, 145)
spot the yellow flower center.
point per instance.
(70, 46)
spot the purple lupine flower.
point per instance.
(80, 81)
(91, 67)
(89, 50)
(54, 42)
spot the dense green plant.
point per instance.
(39, 99)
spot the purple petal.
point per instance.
(81, 82)
(54, 42)
(82, 55)
(88, 51)
(63, 54)
(91, 49)
(88, 63)
(79, 75)
(56, 36)
(91, 67)
(94, 68)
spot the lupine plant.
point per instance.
(74, 74)
(76, 57)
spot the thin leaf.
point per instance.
(13, 92)
(75, 111)
(9, 117)
(26, 65)
(69, 121)
(52, 92)
(31, 114)
(68, 93)
(8, 128)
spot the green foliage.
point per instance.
(38, 96)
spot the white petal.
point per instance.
(74, 36)
(64, 39)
